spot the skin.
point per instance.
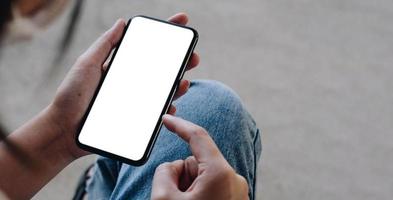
(205, 175)
(48, 140)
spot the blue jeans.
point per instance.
(209, 104)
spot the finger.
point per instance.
(190, 172)
(202, 145)
(166, 179)
(172, 110)
(106, 63)
(191, 165)
(179, 18)
(182, 89)
(194, 61)
(169, 173)
(101, 48)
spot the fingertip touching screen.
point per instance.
(124, 115)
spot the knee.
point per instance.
(216, 97)
(216, 107)
(219, 110)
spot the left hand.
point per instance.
(77, 89)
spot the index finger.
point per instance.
(202, 145)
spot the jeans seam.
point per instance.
(255, 164)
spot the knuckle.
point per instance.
(190, 158)
(228, 171)
(225, 173)
(243, 182)
(85, 61)
(107, 40)
(200, 132)
(163, 166)
(81, 59)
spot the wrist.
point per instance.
(43, 153)
(55, 141)
(63, 135)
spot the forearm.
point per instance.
(45, 155)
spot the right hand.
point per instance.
(205, 175)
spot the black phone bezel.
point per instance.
(168, 102)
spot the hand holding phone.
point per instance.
(78, 87)
(124, 116)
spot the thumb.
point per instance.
(101, 48)
(166, 180)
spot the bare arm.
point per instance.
(46, 154)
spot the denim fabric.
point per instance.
(209, 104)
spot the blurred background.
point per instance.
(315, 74)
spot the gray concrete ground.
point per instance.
(314, 74)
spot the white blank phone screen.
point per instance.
(133, 95)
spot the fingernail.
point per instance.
(188, 83)
(169, 116)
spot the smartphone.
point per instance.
(124, 117)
